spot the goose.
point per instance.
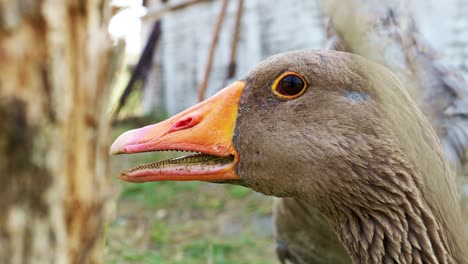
(328, 128)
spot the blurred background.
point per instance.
(267, 28)
(90, 70)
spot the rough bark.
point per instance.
(55, 72)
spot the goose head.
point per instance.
(330, 128)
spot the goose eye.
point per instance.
(289, 85)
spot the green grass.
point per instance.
(142, 257)
(217, 251)
(238, 192)
(160, 234)
(157, 194)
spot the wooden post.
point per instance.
(214, 41)
(55, 73)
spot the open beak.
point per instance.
(206, 129)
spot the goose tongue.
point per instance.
(206, 128)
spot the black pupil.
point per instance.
(290, 85)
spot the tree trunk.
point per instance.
(55, 72)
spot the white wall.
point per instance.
(444, 23)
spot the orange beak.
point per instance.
(207, 128)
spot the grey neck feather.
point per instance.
(394, 223)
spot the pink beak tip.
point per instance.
(131, 137)
(119, 145)
(116, 148)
